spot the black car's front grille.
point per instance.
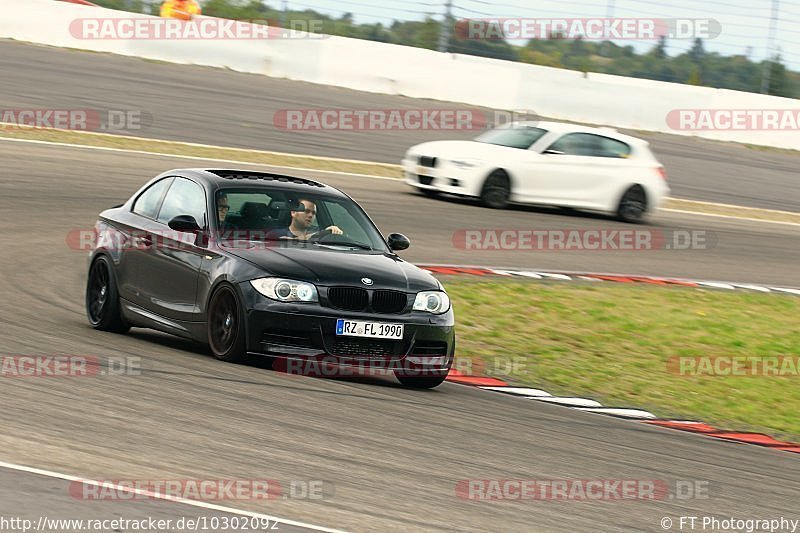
(358, 299)
(429, 348)
(425, 180)
(361, 348)
(348, 298)
(389, 301)
(427, 161)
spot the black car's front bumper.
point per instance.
(301, 333)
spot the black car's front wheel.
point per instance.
(226, 332)
(102, 298)
(416, 381)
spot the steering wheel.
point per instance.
(320, 235)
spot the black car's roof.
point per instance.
(215, 178)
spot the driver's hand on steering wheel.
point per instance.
(335, 230)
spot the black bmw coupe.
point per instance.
(260, 265)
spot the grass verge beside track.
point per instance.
(158, 146)
(613, 343)
(281, 159)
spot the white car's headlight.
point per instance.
(436, 302)
(285, 290)
(467, 163)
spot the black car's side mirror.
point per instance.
(398, 241)
(185, 223)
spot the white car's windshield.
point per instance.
(514, 137)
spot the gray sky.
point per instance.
(744, 23)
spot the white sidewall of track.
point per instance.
(415, 72)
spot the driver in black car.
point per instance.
(302, 219)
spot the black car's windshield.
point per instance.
(515, 136)
(295, 218)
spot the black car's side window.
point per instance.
(150, 200)
(184, 197)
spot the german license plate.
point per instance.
(376, 330)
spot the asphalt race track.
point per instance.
(390, 457)
(226, 108)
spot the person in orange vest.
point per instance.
(180, 9)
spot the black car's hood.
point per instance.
(325, 266)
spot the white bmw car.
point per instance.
(545, 163)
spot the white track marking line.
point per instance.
(734, 206)
(190, 144)
(744, 219)
(517, 391)
(751, 287)
(193, 503)
(620, 412)
(199, 158)
(340, 173)
(716, 285)
(569, 401)
(783, 289)
(587, 276)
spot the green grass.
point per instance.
(612, 343)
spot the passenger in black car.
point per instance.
(222, 212)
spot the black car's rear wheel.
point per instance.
(496, 192)
(102, 298)
(416, 381)
(226, 332)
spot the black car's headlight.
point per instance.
(285, 290)
(436, 302)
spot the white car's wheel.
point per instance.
(633, 205)
(496, 192)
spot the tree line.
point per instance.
(696, 66)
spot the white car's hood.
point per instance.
(467, 150)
